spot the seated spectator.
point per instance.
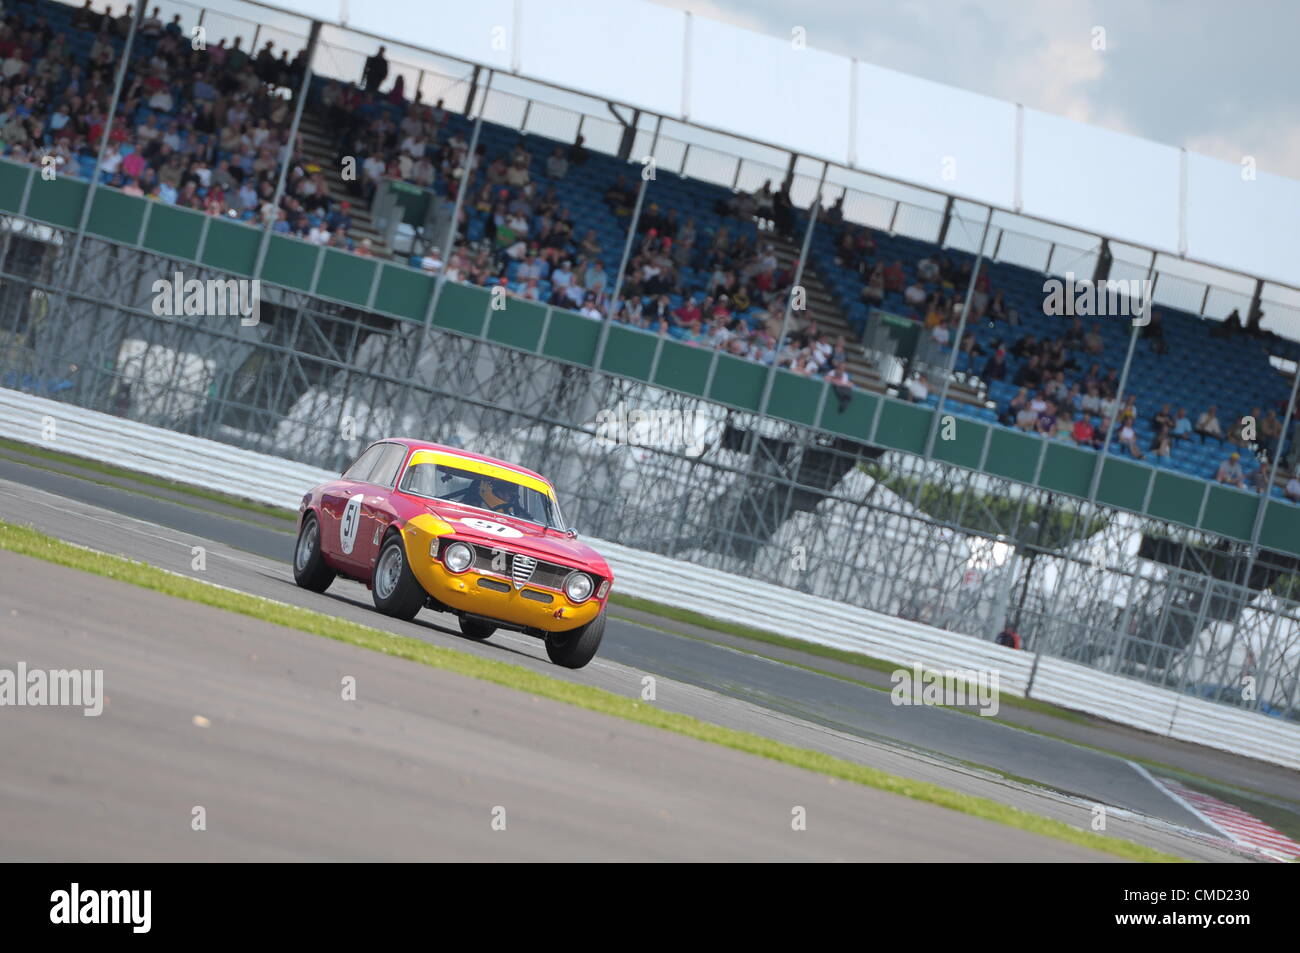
(1027, 417)
(1075, 335)
(1093, 342)
(1182, 429)
(1230, 472)
(1237, 432)
(873, 292)
(1090, 403)
(1162, 443)
(1163, 418)
(1046, 423)
(916, 389)
(915, 294)
(1207, 425)
(1013, 408)
(557, 166)
(1270, 429)
(941, 335)
(995, 368)
(1293, 488)
(1128, 440)
(1262, 478)
(895, 278)
(841, 384)
(432, 260)
(1029, 374)
(927, 270)
(1025, 348)
(997, 309)
(1064, 430)
(689, 315)
(1083, 433)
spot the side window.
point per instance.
(365, 463)
(385, 471)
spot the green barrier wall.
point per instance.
(404, 293)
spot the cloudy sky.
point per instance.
(1221, 78)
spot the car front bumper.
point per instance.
(490, 595)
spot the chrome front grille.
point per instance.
(504, 563)
(521, 569)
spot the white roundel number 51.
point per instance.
(350, 523)
(488, 526)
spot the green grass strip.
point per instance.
(28, 542)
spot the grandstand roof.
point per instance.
(831, 107)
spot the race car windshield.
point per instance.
(495, 494)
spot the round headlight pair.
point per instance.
(578, 587)
(457, 557)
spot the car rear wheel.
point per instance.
(309, 568)
(577, 647)
(395, 589)
(473, 629)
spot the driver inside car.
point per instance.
(499, 496)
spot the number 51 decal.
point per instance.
(350, 523)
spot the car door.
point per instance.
(374, 508)
(341, 504)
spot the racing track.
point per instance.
(714, 682)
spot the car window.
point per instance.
(473, 489)
(385, 471)
(365, 463)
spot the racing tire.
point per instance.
(395, 590)
(577, 647)
(473, 629)
(309, 567)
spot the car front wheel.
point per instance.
(395, 589)
(577, 647)
(309, 568)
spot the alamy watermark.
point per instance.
(1083, 297)
(960, 689)
(76, 688)
(211, 297)
(75, 906)
(63, 688)
(655, 429)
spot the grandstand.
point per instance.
(1244, 380)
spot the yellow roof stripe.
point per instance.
(484, 468)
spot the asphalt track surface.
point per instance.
(715, 682)
(418, 767)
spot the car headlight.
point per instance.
(578, 587)
(457, 557)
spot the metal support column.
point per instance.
(448, 249)
(956, 339)
(1146, 306)
(290, 146)
(118, 82)
(627, 256)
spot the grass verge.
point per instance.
(29, 542)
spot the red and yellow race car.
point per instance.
(424, 525)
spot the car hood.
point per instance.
(516, 535)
